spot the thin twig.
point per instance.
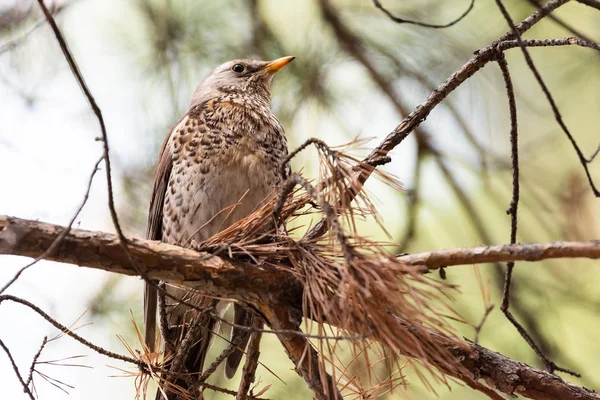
(567, 41)
(35, 359)
(98, 113)
(514, 204)
(320, 144)
(563, 24)
(69, 332)
(593, 156)
(224, 354)
(399, 20)
(252, 354)
(478, 327)
(413, 201)
(226, 391)
(549, 97)
(420, 113)
(13, 43)
(16, 369)
(92, 101)
(533, 19)
(163, 320)
(405, 70)
(591, 3)
(58, 241)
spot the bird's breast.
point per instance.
(212, 190)
(226, 162)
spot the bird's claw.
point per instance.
(195, 245)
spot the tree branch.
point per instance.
(252, 354)
(232, 278)
(399, 20)
(513, 377)
(503, 253)
(238, 280)
(16, 369)
(267, 285)
(482, 57)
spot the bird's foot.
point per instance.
(195, 245)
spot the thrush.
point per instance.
(217, 165)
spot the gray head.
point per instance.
(249, 77)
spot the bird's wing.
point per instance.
(154, 232)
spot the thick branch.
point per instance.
(262, 285)
(237, 280)
(513, 377)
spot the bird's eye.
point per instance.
(238, 68)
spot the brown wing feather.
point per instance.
(154, 232)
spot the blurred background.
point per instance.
(356, 74)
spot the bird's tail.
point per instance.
(150, 304)
(198, 347)
(239, 336)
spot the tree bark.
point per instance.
(238, 280)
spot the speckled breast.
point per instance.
(226, 162)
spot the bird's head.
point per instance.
(246, 77)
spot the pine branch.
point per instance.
(266, 286)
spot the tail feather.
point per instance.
(195, 355)
(239, 336)
(194, 362)
(150, 305)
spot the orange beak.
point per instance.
(277, 64)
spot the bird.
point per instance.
(218, 164)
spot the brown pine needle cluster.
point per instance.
(350, 282)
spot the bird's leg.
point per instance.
(194, 244)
